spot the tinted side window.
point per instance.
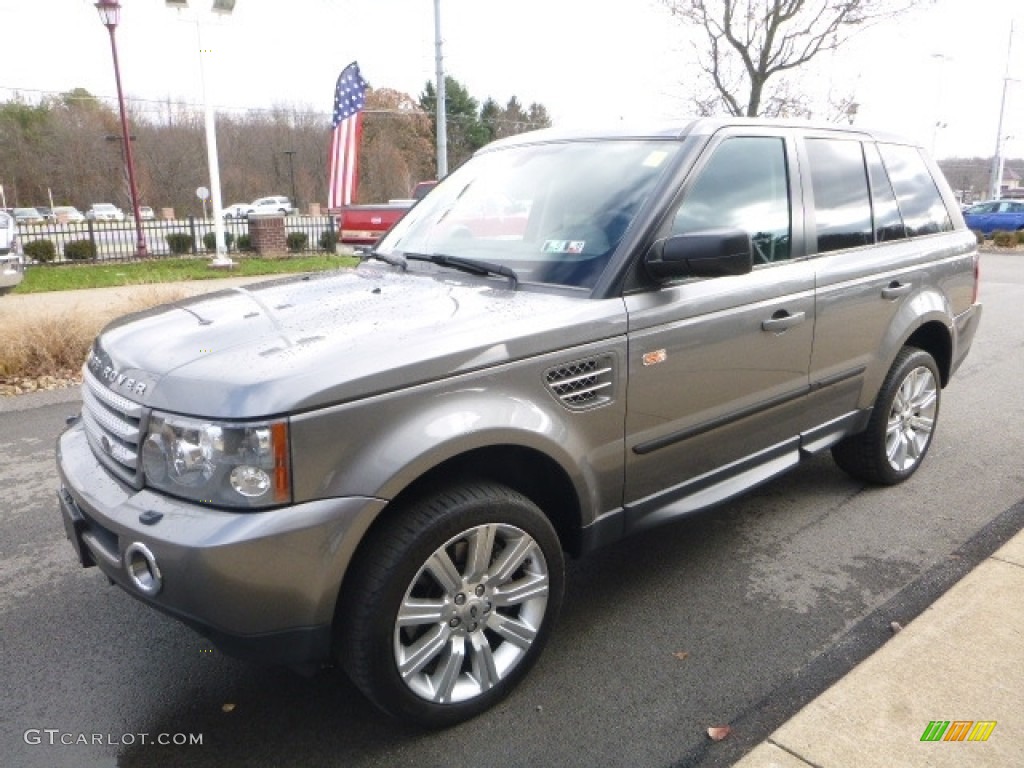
(744, 186)
(888, 222)
(923, 211)
(842, 208)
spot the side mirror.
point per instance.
(709, 253)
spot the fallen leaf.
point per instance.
(718, 732)
(682, 655)
(228, 708)
(895, 626)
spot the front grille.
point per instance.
(113, 425)
(582, 384)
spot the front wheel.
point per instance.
(451, 603)
(902, 423)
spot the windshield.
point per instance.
(553, 213)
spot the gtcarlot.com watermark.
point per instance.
(56, 737)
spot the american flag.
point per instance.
(349, 98)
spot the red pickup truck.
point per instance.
(366, 224)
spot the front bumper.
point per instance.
(260, 585)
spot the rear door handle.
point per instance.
(895, 289)
(782, 321)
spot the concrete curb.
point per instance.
(962, 660)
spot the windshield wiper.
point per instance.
(472, 266)
(387, 258)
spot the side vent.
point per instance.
(582, 384)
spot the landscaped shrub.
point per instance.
(179, 243)
(210, 240)
(296, 241)
(328, 241)
(979, 236)
(41, 250)
(80, 250)
(1004, 239)
(244, 243)
(1020, 237)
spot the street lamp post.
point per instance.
(110, 15)
(291, 174)
(221, 258)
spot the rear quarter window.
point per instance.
(921, 205)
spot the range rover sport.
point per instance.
(572, 337)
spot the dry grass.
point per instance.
(56, 344)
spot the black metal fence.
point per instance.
(115, 241)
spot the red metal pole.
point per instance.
(140, 244)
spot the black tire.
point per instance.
(498, 618)
(902, 423)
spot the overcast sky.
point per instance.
(587, 61)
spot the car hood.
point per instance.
(316, 340)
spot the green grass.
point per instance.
(41, 278)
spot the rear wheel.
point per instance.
(902, 423)
(451, 603)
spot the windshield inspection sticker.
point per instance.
(564, 246)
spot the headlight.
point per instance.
(218, 463)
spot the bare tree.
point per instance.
(747, 43)
(397, 149)
(70, 145)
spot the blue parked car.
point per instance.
(1007, 215)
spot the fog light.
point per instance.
(142, 569)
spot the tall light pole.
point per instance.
(442, 126)
(221, 258)
(996, 189)
(110, 15)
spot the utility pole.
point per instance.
(442, 127)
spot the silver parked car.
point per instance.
(12, 262)
(104, 212)
(275, 204)
(68, 214)
(28, 216)
(574, 337)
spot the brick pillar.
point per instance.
(267, 235)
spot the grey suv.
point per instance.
(573, 337)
